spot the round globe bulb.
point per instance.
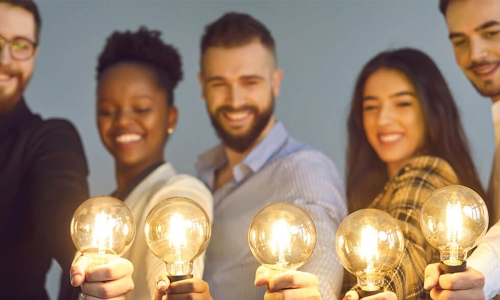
(177, 231)
(369, 243)
(102, 229)
(282, 237)
(454, 218)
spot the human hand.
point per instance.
(352, 295)
(189, 289)
(289, 285)
(462, 285)
(109, 281)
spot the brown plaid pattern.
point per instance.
(402, 198)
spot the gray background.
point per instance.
(321, 47)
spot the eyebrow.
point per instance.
(245, 77)
(481, 27)
(398, 94)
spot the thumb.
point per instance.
(432, 273)
(77, 271)
(262, 276)
(161, 287)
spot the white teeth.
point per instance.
(127, 138)
(237, 115)
(390, 137)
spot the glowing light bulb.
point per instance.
(369, 243)
(453, 219)
(282, 237)
(102, 229)
(178, 231)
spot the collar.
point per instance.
(213, 159)
(495, 114)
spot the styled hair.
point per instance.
(145, 48)
(444, 135)
(30, 6)
(443, 5)
(235, 30)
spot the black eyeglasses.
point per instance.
(19, 48)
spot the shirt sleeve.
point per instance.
(56, 185)
(486, 259)
(406, 202)
(185, 186)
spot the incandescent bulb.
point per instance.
(178, 231)
(369, 243)
(454, 218)
(282, 237)
(102, 229)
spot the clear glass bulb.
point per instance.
(178, 231)
(282, 237)
(454, 218)
(102, 229)
(369, 243)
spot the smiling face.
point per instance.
(133, 116)
(15, 22)
(392, 118)
(474, 31)
(239, 86)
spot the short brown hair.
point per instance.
(236, 29)
(443, 5)
(31, 7)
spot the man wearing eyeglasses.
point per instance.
(42, 178)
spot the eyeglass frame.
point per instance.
(9, 43)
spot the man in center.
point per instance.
(259, 163)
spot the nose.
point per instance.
(235, 96)
(478, 51)
(122, 118)
(5, 57)
(386, 115)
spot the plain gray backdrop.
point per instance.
(321, 47)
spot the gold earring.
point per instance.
(170, 130)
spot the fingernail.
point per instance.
(160, 284)
(427, 282)
(348, 297)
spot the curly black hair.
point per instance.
(145, 48)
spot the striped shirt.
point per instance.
(278, 169)
(403, 197)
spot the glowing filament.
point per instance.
(177, 233)
(102, 238)
(454, 226)
(280, 241)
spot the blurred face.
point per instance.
(392, 118)
(474, 30)
(15, 22)
(239, 86)
(133, 116)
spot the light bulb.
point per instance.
(282, 237)
(102, 229)
(453, 219)
(369, 243)
(178, 231)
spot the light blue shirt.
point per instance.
(278, 169)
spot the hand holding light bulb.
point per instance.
(454, 218)
(177, 231)
(369, 243)
(102, 229)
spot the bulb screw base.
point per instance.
(174, 278)
(447, 269)
(362, 293)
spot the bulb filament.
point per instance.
(369, 252)
(280, 241)
(454, 226)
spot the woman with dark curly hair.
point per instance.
(137, 74)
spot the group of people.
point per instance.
(405, 140)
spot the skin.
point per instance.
(14, 74)
(392, 118)
(133, 119)
(474, 31)
(463, 285)
(189, 289)
(238, 84)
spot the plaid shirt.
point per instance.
(403, 197)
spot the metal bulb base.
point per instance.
(447, 269)
(363, 293)
(174, 278)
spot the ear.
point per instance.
(277, 77)
(202, 85)
(172, 117)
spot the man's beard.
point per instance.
(9, 100)
(487, 87)
(240, 143)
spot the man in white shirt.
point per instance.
(474, 31)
